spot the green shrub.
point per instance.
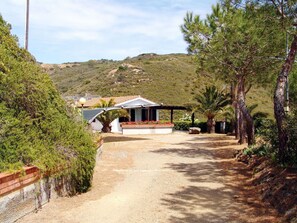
(36, 126)
(268, 137)
(185, 125)
(292, 135)
(268, 133)
(123, 68)
(182, 125)
(262, 150)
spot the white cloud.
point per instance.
(71, 14)
(103, 27)
(81, 35)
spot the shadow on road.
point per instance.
(185, 152)
(218, 190)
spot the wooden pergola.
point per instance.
(171, 108)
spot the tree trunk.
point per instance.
(193, 119)
(238, 120)
(234, 124)
(279, 101)
(211, 125)
(106, 127)
(241, 130)
(232, 127)
(250, 129)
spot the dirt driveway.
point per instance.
(162, 178)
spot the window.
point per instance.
(123, 119)
(153, 114)
(132, 115)
(144, 115)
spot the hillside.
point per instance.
(169, 79)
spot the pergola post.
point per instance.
(171, 115)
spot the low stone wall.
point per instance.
(12, 181)
(25, 192)
(99, 150)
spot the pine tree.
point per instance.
(229, 44)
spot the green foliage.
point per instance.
(108, 116)
(227, 43)
(262, 150)
(122, 68)
(292, 136)
(187, 117)
(185, 125)
(36, 127)
(211, 101)
(293, 88)
(170, 79)
(268, 135)
(236, 44)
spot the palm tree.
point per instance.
(108, 116)
(210, 103)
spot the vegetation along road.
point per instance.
(163, 178)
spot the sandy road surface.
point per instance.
(160, 178)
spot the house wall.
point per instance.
(145, 131)
(97, 126)
(115, 126)
(138, 114)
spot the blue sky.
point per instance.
(76, 30)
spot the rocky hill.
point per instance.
(168, 79)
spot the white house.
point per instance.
(139, 109)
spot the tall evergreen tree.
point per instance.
(288, 14)
(283, 15)
(228, 44)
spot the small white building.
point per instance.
(139, 109)
(143, 115)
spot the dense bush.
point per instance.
(36, 127)
(293, 87)
(185, 125)
(292, 133)
(269, 138)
